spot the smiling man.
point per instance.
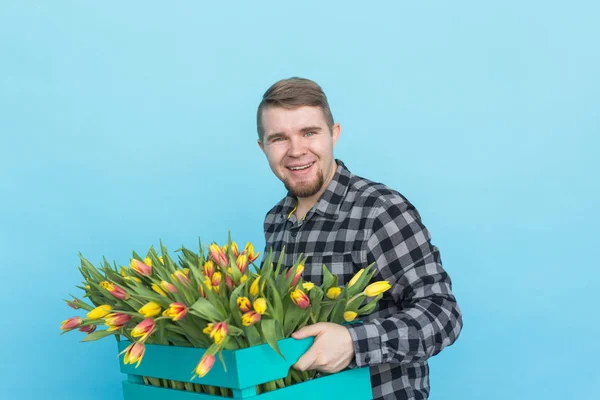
(347, 222)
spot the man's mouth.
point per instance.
(301, 167)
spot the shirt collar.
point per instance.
(329, 203)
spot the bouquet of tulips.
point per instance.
(215, 299)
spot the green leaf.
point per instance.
(269, 332)
(316, 297)
(275, 300)
(329, 280)
(97, 335)
(206, 310)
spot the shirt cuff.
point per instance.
(367, 345)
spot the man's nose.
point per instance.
(297, 147)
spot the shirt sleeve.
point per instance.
(429, 318)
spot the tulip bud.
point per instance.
(300, 298)
(161, 259)
(356, 277)
(71, 323)
(87, 328)
(249, 250)
(260, 305)
(141, 268)
(307, 286)
(206, 363)
(297, 274)
(158, 290)
(181, 277)
(168, 286)
(209, 269)
(244, 304)
(235, 251)
(99, 312)
(115, 290)
(176, 311)
(229, 282)
(242, 263)
(254, 290)
(116, 321)
(217, 331)
(218, 255)
(150, 309)
(250, 318)
(377, 288)
(134, 353)
(349, 316)
(74, 304)
(244, 278)
(144, 329)
(333, 293)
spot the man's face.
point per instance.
(299, 147)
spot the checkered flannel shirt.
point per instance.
(357, 222)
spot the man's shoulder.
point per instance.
(277, 209)
(376, 196)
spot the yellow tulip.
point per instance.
(260, 305)
(148, 261)
(308, 285)
(205, 365)
(158, 290)
(254, 287)
(355, 277)
(375, 289)
(243, 279)
(99, 312)
(334, 292)
(150, 309)
(349, 316)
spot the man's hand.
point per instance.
(331, 351)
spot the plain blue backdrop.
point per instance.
(123, 123)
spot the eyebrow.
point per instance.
(281, 134)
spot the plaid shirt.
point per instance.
(357, 222)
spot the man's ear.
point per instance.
(260, 145)
(335, 133)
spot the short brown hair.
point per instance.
(293, 93)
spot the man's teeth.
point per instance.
(302, 167)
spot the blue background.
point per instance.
(123, 123)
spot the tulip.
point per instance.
(123, 271)
(242, 263)
(115, 290)
(186, 271)
(375, 289)
(160, 258)
(87, 328)
(158, 290)
(134, 353)
(244, 304)
(254, 287)
(333, 293)
(217, 331)
(169, 287)
(176, 311)
(206, 363)
(307, 286)
(99, 312)
(148, 261)
(244, 278)
(133, 278)
(141, 268)
(144, 329)
(71, 323)
(300, 298)
(74, 304)
(208, 269)
(229, 282)
(218, 255)
(150, 309)
(250, 318)
(116, 321)
(356, 277)
(260, 305)
(235, 251)
(181, 277)
(349, 316)
(249, 250)
(297, 275)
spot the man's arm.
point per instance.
(429, 318)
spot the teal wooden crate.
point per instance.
(246, 368)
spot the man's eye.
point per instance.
(277, 139)
(309, 133)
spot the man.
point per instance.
(347, 222)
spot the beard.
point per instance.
(305, 189)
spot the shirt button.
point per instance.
(367, 359)
(294, 233)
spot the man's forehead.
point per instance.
(279, 119)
